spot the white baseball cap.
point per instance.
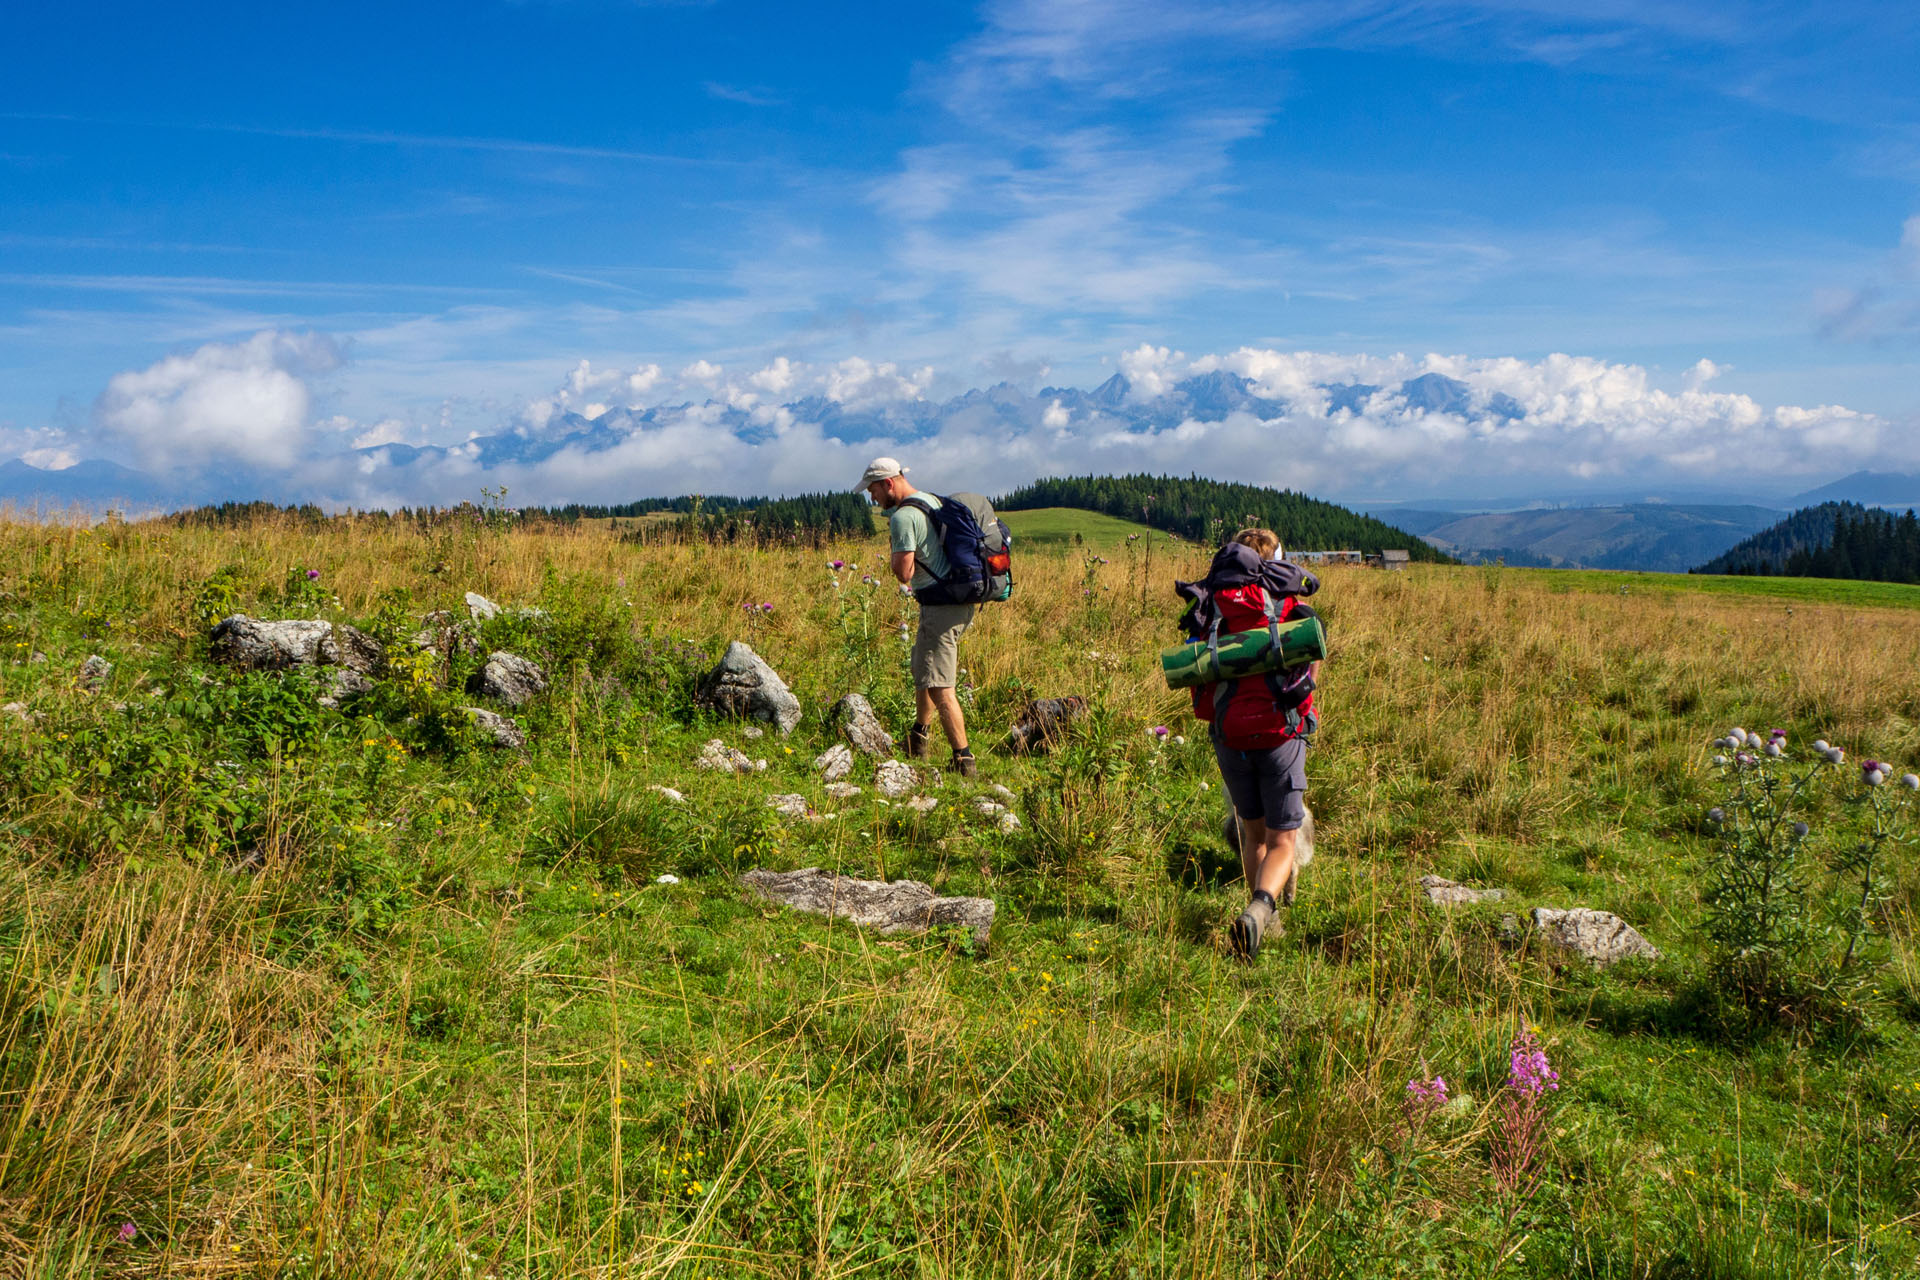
(879, 469)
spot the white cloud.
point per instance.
(50, 459)
(242, 402)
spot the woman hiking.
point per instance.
(1260, 724)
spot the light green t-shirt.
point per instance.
(910, 530)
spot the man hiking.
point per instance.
(916, 523)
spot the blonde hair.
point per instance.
(1265, 541)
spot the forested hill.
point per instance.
(1832, 540)
(1211, 510)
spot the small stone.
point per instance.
(987, 808)
(94, 671)
(1599, 936)
(503, 731)
(344, 684)
(789, 806)
(922, 804)
(895, 778)
(753, 731)
(842, 790)
(18, 710)
(1450, 893)
(1006, 797)
(1509, 931)
(481, 609)
(1009, 822)
(668, 792)
(835, 763)
(36, 656)
(666, 877)
(718, 755)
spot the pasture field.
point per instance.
(293, 992)
(1057, 525)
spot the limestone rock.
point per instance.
(18, 710)
(252, 644)
(789, 806)
(508, 678)
(855, 718)
(481, 609)
(1599, 936)
(1044, 722)
(922, 804)
(1449, 893)
(905, 906)
(1009, 822)
(503, 731)
(842, 790)
(835, 763)
(895, 778)
(747, 688)
(753, 731)
(668, 792)
(1006, 797)
(987, 808)
(94, 671)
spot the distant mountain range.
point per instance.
(93, 484)
(1658, 537)
(1868, 488)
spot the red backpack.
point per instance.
(1260, 711)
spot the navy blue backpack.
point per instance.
(978, 571)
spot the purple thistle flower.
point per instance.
(766, 608)
(1159, 731)
(1777, 733)
(127, 1232)
(836, 565)
(313, 575)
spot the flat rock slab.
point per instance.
(718, 755)
(1449, 893)
(481, 609)
(790, 806)
(1599, 936)
(905, 906)
(745, 687)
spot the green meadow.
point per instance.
(291, 991)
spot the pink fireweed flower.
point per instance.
(1529, 1073)
(1431, 1092)
(127, 1232)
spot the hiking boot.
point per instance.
(1248, 928)
(965, 765)
(917, 740)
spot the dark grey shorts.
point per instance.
(1269, 785)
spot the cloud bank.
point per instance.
(1342, 425)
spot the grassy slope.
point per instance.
(410, 1047)
(1059, 524)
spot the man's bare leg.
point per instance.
(1276, 862)
(943, 702)
(1253, 839)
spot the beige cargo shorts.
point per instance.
(936, 646)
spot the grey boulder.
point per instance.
(94, 672)
(481, 609)
(905, 906)
(1598, 936)
(343, 684)
(253, 644)
(745, 687)
(855, 718)
(508, 678)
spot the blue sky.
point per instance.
(245, 236)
